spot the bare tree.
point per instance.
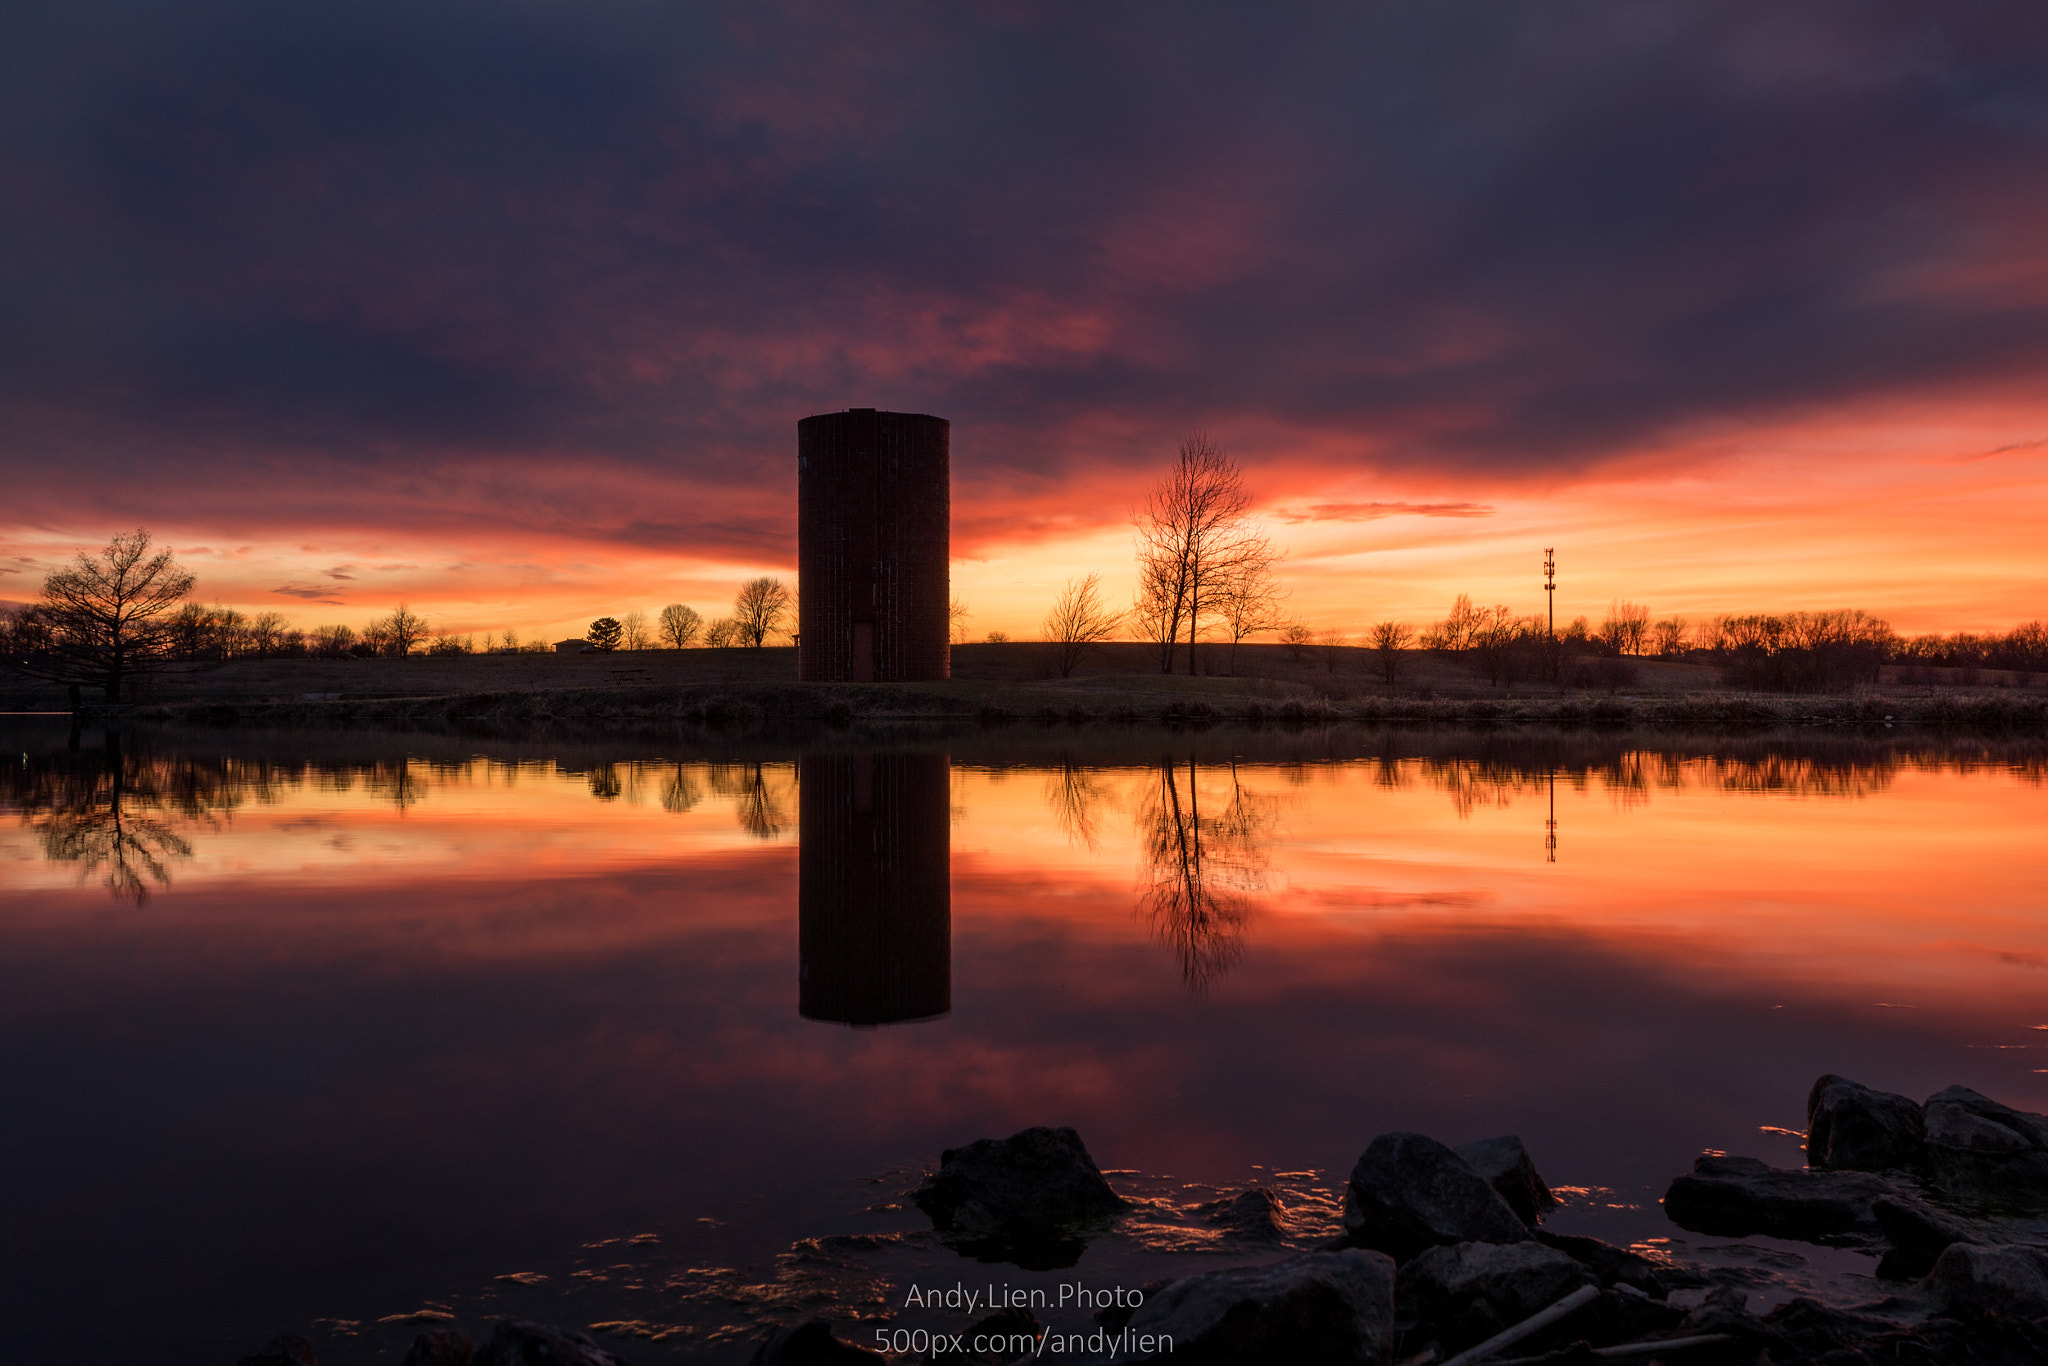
(633, 631)
(1668, 637)
(1388, 640)
(103, 619)
(271, 634)
(216, 633)
(1456, 631)
(1497, 640)
(956, 620)
(1078, 621)
(1249, 597)
(722, 633)
(1193, 535)
(1332, 642)
(1152, 617)
(759, 609)
(680, 625)
(397, 633)
(332, 642)
(1297, 636)
(1627, 628)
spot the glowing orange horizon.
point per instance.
(1925, 517)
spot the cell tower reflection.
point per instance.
(1550, 825)
(874, 889)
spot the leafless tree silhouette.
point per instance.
(1078, 621)
(1249, 596)
(1194, 534)
(102, 619)
(680, 625)
(758, 611)
(1388, 640)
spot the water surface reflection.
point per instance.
(874, 894)
(404, 1015)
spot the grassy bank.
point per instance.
(1005, 684)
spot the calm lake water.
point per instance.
(343, 1034)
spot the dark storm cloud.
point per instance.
(409, 265)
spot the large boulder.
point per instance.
(517, 1342)
(1410, 1192)
(1030, 1198)
(1725, 1310)
(1324, 1307)
(1975, 1279)
(1736, 1197)
(1919, 1231)
(1459, 1295)
(1850, 1127)
(1814, 1328)
(1986, 1154)
(1504, 1164)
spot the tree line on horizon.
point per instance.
(1205, 572)
(105, 619)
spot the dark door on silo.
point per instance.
(874, 888)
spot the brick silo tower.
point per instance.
(873, 531)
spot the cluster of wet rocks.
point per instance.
(1444, 1258)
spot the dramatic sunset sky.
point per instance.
(509, 309)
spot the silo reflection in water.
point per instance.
(874, 891)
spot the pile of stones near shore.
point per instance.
(1444, 1259)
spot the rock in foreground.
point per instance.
(1850, 1127)
(1986, 1154)
(1504, 1164)
(1325, 1307)
(1740, 1196)
(1473, 1290)
(1410, 1192)
(1028, 1198)
(1973, 1280)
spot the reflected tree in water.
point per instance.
(115, 812)
(398, 782)
(1204, 866)
(680, 790)
(1077, 797)
(762, 798)
(605, 784)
